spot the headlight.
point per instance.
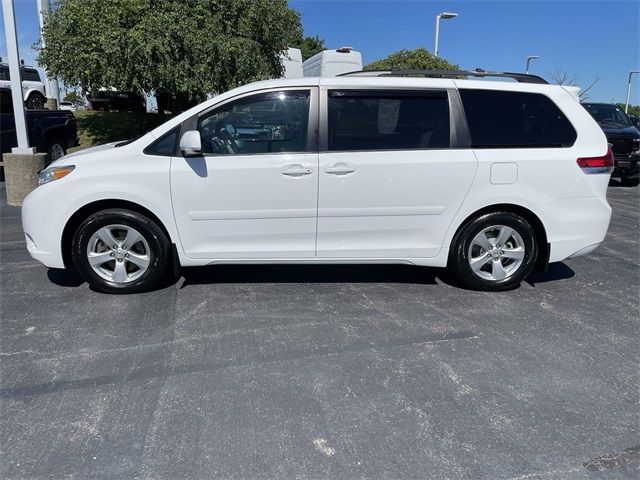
(55, 173)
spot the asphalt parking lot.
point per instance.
(324, 372)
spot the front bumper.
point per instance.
(42, 222)
(626, 167)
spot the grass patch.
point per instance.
(97, 128)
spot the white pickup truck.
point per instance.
(33, 91)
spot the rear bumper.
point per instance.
(576, 226)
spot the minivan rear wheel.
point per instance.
(494, 251)
(120, 251)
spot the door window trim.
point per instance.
(312, 127)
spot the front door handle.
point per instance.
(340, 168)
(296, 170)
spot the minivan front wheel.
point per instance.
(494, 251)
(120, 251)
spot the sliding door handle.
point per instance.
(340, 168)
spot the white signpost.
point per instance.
(16, 81)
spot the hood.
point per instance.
(75, 156)
(631, 132)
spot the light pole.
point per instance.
(529, 58)
(16, 83)
(626, 103)
(441, 16)
(52, 82)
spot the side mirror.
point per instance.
(190, 144)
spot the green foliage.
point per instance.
(418, 59)
(97, 128)
(183, 48)
(309, 46)
(74, 98)
(633, 109)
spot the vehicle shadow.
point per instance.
(555, 271)
(64, 277)
(311, 274)
(399, 274)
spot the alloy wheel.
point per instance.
(118, 253)
(496, 252)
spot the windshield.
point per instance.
(608, 116)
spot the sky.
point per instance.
(583, 38)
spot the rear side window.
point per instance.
(499, 119)
(166, 145)
(387, 120)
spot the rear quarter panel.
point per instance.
(544, 175)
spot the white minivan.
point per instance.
(487, 178)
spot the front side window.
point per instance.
(387, 120)
(270, 122)
(503, 119)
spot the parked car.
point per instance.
(107, 100)
(624, 137)
(67, 106)
(51, 131)
(486, 178)
(33, 89)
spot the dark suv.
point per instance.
(624, 138)
(123, 101)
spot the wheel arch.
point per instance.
(544, 248)
(89, 209)
(55, 133)
(33, 91)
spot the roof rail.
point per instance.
(478, 72)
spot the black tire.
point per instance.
(630, 182)
(159, 250)
(459, 264)
(36, 101)
(55, 150)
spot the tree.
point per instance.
(309, 46)
(633, 109)
(418, 59)
(174, 48)
(75, 98)
(560, 77)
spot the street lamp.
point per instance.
(626, 104)
(441, 16)
(529, 58)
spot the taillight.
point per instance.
(603, 164)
